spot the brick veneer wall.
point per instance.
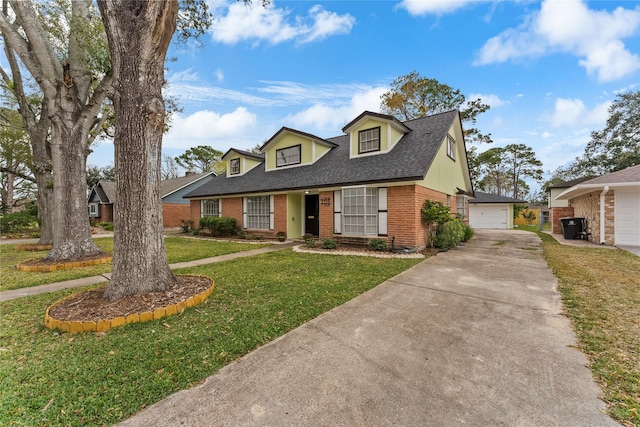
(195, 213)
(609, 221)
(174, 213)
(404, 220)
(588, 206)
(557, 213)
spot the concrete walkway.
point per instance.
(472, 336)
(86, 281)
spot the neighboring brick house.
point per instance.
(610, 204)
(369, 183)
(174, 207)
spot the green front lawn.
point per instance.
(178, 250)
(51, 378)
(601, 293)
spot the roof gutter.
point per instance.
(605, 190)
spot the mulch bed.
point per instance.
(44, 262)
(33, 247)
(92, 306)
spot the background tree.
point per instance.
(202, 158)
(16, 179)
(96, 173)
(62, 45)
(412, 96)
(521, 163)
(613, 148)
(503, 170)
(169, 168)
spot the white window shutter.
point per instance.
(244, 212)
(382, 211)
(337, 212)
(271, 214)
(219, 207)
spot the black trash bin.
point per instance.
(572, 227)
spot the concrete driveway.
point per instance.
(473, 336)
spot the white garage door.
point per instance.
(489, 216)
(627, 217)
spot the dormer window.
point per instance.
(369, 140)
(288, 156)
(234, 166)
(451, 147)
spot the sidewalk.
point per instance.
(86, 281)
(584, 243)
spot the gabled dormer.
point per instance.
(292, 148)
(240, 162)
(373, 133)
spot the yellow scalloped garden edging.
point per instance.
(63, 265)
(33, 247)
(104, 325)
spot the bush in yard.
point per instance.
(435, 212)
(186, 224)
(330, 244)
(310, 243)
(378, 244)
(16, 222)
(468, 233)
(219, 225)
(449, 234)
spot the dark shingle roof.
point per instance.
(106, 191)
(409, 160)
(169, 186)
(482, 197)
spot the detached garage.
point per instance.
(491, 211)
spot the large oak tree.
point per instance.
(59, 45)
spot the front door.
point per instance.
(312, 210)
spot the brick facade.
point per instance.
(556, 214)
(588, 206)
(404, 219)
(174, 213)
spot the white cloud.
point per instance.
(573, 113)
(546, 135)
(490, 99)
(237, 22)
(594, 36)
(219, 75)
(329, 120)
(208, 128)
(434, 7)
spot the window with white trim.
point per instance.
(461, 206)
(451, 147)
(258, 212)
(93, 209)
(210, 207)
(369, 140)
(360, 211)
(288, 156)
(234, 166)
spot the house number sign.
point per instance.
(325, 201)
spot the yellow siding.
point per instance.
(369, 124)
(294, 220)
(445, 174)
(246, 164)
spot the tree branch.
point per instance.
(18, 174)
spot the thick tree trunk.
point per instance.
(139, 33)
(71, 232)
(44, 178)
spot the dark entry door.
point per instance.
(312, 210)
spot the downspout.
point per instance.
(604, 191)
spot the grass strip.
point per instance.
(50, 378)
(601, 293)
(179, 249)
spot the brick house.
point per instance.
(369, 183)
(492, 211)
(609, 203)
(559, 208)
(174, 207)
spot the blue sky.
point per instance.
(549, 69)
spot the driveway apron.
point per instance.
(472, 336)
